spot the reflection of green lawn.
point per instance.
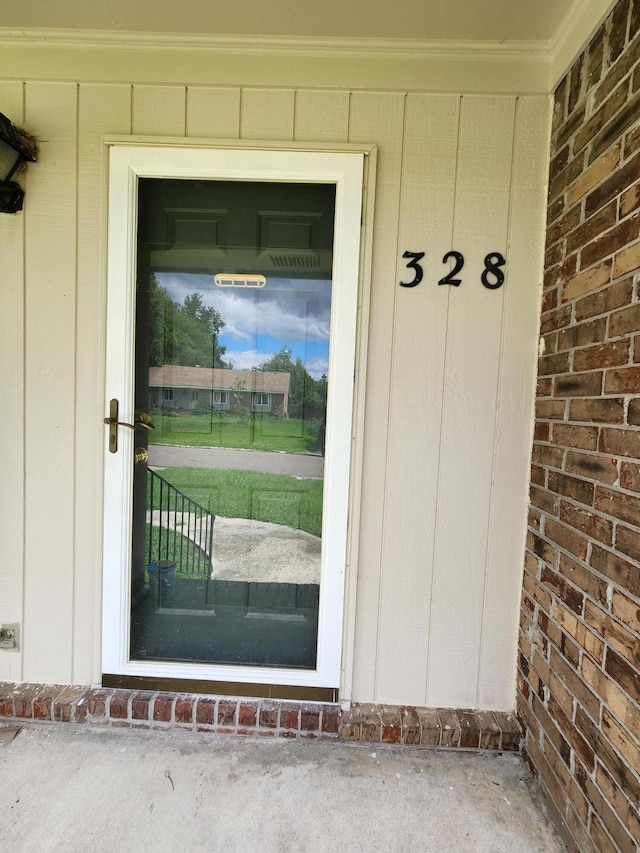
(250, 494)
(257, 432)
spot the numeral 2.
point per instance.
(459, 263)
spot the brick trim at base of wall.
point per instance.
(392, 724)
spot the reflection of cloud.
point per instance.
(245, 360)
(239, 316)
(287, 312)
(178, 286)
(288, 309)
(249, 318)
(317, 367)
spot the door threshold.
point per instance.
(222, 688)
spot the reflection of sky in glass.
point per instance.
(291, 313)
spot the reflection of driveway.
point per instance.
(294, 464)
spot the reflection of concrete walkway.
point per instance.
(303, 465)
(247, 550)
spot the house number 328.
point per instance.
(492, 274)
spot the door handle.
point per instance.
(142, 421)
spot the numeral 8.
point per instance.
(492, 264)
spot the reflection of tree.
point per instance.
(240, 399)
(307, 394)
(184, 334)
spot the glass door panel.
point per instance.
(232, 345)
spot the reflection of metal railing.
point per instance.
(179, 530)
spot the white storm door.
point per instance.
(232, 302)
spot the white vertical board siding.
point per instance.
(12, 395)
(267, 114)
(514, 427)
(321, 116)
(213, 113)
(472, 361)
(159, 110)
(450, 372)
(415, 402)
(102, 110)
(376, 118)
(50, 224)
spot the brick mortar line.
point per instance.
(606, 424)
(562, 549)
(541, 777)
(583, 563)
(579, 616)
(611, 487)
(542, 781)
(619, 220)
(576, 671)
(576, 300)
(603, 704)
(580, 202)
(554, 596)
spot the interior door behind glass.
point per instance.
(232, 340)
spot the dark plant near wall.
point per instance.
(16, 148)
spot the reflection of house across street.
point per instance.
(181, 388)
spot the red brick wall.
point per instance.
(578, 680)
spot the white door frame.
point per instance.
(345, 167)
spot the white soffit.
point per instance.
(501, 64)
(453, 20)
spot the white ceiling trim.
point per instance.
(386, 47)
(510, 67)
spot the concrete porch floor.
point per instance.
(71, 788)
